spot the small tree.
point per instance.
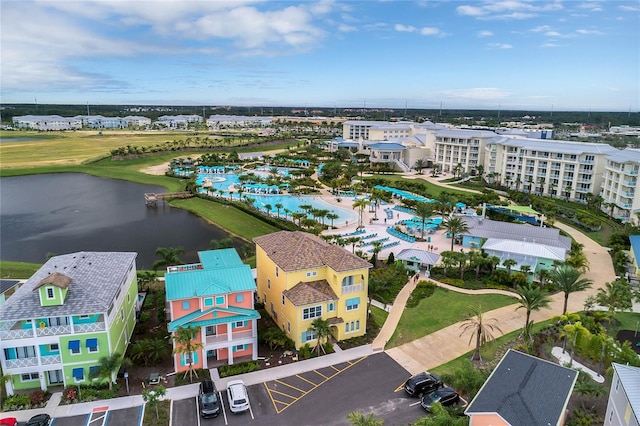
(109, 364)
(183, 337)
(568, 280)
(532, 299)
(323, 331)
(153, 396)
(481, 328)
(455, 226)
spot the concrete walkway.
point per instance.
(393, 318)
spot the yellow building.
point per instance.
(301, 277)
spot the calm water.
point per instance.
(64, 213)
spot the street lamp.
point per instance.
(126, 379)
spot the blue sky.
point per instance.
(511, 54)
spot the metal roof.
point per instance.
(525, 248)
(487, 228)
(625, 156)
(389, 146)
(95, 279)
(550, 145)
(422, 256)
(465, 134)
(630, 379)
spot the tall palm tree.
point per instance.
(544, 276)
(568, 280)
(455, 226)
(170, 256)
(109, 364)
(184, 345)
(532, 299)
(332, 216)
(508, 264)
(360, 204)
(481, 328)
(424, 211)
(323, 330)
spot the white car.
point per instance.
(237, 394)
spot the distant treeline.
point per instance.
(457, 116)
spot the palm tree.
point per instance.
(360, 204)
(279, 206)
(170, 256)
(424, 211)
(568, 280)
(544, 275)
(323, 331)
(615, 295)
(455, 226)
(332, 216)
(480, 327)
(358, 419)
(476, 260)
(508, 264)
(184, 345)
(532, 299)
(377, 247)
(145, 278)
(109, 364)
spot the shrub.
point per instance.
(70, 393)
(423, 290)
(16, 402)
(328, 348)
(240, 368)
(305, 351)
(36, 397)
(144, 316)
(149, 301)
(456, 282)
(180, 378)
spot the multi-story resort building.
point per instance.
(46, 122)
(623, 407)
(216, 297)
(76, 309)
(460, 151)
(301, 277)
(620, 198)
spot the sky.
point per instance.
(495, 54)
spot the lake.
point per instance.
(69, 212)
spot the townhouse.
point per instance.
(623, 407)
(76, 309)
(216, 297)
(46, 122)
(301, 277)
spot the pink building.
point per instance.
(216, 297)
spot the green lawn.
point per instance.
(433, 190)
(628, 320)
(378, 315)
(441, 310)
(18, 270)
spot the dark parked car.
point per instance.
(422, 384)
(208, 399)
(39, 420)
(445, 396)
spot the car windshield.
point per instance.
(209, 398)
(434, 397)
(240, 401)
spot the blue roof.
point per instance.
(204, 319)
(635, 245)
(223, 273)
(348, 144)
(392, 146)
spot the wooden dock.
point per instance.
(151, 198)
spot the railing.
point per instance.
(348, 289)
(23, 333)
(218, 338)
(629, 183)
(89, 327)
(50, 359)
(53, 331)
(21, 362)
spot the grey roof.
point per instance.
(422, 256)
(550, 145)
(525, 391)
(465, 134)
(630, 380)
(487, 228)
(95, 279)
(7, 284)
(386, 145)
(525, 248)
(625, 156)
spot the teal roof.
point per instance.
(223, 273)
(240, 314)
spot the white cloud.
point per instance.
(500, 46)
(541, 28)
(508, 9)
(589, 32)
(405, 28)
(426, 31)
(478, 93)
(430, 31)
(629, 8)
(484, 33)
(344, 28)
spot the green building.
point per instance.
(76, 309)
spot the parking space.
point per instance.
(185, 412)
(102, 416)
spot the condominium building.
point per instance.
(623, 407)
(76, 309)
(301, 277)
(46, 122)
(216, 297)
(460, 151)
(620, 179)
(569, 170)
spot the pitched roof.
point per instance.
(422, 256)
(223, 273)
(57, 279)
(487, 228)
(209, 317)
(95, 279)
(630, 380)
(525, 391)
(7, 284)
(293, 251)
(525, 248)
(306, 293)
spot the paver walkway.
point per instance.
(445, 345)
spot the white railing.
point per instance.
(218, 338)
(22, 362)
(23, 333)
(54, 330)
(348, 289)
(89, 327)
(50, 359)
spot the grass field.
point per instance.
(18, 270)
(430, 315)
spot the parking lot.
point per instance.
(103, 417)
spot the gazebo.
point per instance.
(416, 260)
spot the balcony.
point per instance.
(221, 338)
(51, 359)
(629, 183)
(348, 289)
(89, 327)
(22, 362)
(19, 333)
(631, 172)
(54, 330)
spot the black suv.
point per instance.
(422, 384)
(445, 396)
(208, 399)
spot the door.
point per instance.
(55, 377)
(212, 354)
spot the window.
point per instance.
(74, 347)
(54, 347)
(346, 327)
(220, 300)
(94, 372)
(239, 348)
(122, 314)
(353, 304)
(128, 298)
(78, 374)
(27, 377)
(277, 271)
(331, 306)
(50, 293)
(239, 298)
(309, 335)
(92, 345)
(283, 299)
(288, 326)
(312, 274)
(239, 324)
(313, 312)
(269, 283)
(186, 305)
(208, 301)
(357, 324)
